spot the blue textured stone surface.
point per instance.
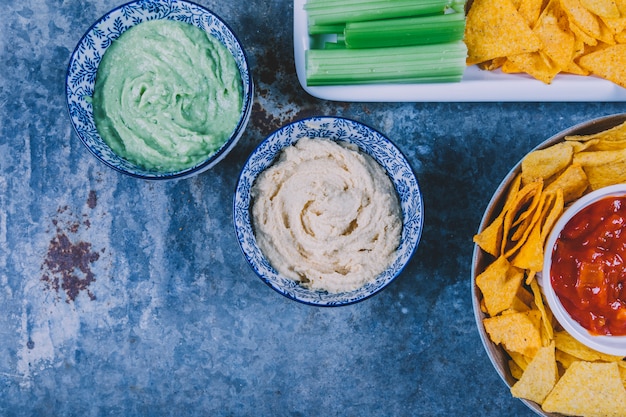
(160, 314)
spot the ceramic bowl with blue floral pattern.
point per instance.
(368, 141)
(83, 66)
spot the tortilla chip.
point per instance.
(499, 284)
(526, 296)
(582, 18)
(539, 378)
(621, 5)
(616, 26)
(530, 11)
(490, 238)
(518, 221)
(602, 8)
(520, 360)
(553, 30)
(555, 212)
(574, 68)
(582, 37)
(588, 389)
(530, 254)
(514, 368)
(616, 133)
(609, 63)
(572, 183)
(603, 168)
(509, 67)
(516, 332)
(546, 163)
(492, 64)
(565, 359)
(566, 343)
(519, 305)
(535, 64)
(494, 28)
(546, 319)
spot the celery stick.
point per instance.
(406, 31)
(403, 64)
(325, 29)
(324, 12)
(334, 45)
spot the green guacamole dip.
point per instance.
(167, 95)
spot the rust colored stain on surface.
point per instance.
(67, 266)
(92, 200)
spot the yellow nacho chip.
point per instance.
(518, 221)
(603, 168)
(609, 63)
(588, 389)
(616, 133)
(535, 64)
(516, 332)
(530, 11)
(494, 28)
(490, 238)
(582, 18)
(539, 378)
(572, 183)
(530, 254)
(555, 212)
(514, 368)
(546, 163)
(553, 30)
(499, 284)
(566, 343)
(520, 360)
(546, 318)
(526, 296)
(602, 8)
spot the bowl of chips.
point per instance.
(538, 359)
(583, 270)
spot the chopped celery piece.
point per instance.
(325, 12)
(403, 64)
(406, 31)
(334, 45)
(325, 29)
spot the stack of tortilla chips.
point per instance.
(546, 37)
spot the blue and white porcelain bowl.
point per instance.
(368, 141)
(83, 66)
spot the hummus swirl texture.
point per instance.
(326, 215)
(167, 95)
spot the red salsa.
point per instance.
(588, 271)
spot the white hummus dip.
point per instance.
(326, 215)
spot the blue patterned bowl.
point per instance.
(83, 65)
(368, 141)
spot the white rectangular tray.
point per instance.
(476, 86)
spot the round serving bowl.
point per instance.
(83, 66)
(480, 259)
(368, 141)
(613, 345)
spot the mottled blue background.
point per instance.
(174, 321)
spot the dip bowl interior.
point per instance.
(84, 62)
(613, 345)
(368, 141)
